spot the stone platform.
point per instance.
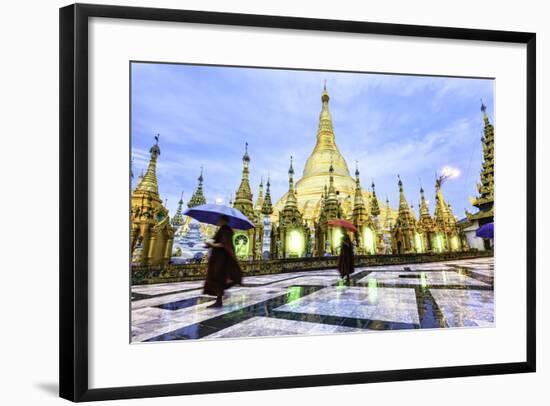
(449, 294)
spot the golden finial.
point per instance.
(324, 95)
(246, 157)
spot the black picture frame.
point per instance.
(73, 276)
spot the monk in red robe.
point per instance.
(223, 270)
(345, 259)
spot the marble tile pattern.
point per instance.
(465, 308)
(265, 326)
(430, 295)
(386, 304)
(428, 278)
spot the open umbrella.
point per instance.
(486, 231)
(342, 223)
(211, 213)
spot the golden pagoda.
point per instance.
(485, 200)
(198, 196)
(425, 225)
(367, 233)
(325, 155)
(178, 220)
(404, 230)
(291, 232)
(245, 241)
(448, 235)
(151, 234)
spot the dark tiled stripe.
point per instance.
(408, 286)
(264, 309)
(141, 296)
(345, 321)
(182, 304)
(429, 313)
(471, 273)
(254, 285)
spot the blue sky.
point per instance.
(392, 124)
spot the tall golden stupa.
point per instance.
(310, 187)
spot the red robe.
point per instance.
(345, 259)
(223, 270)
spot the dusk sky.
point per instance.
(392, 124)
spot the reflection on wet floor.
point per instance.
(416, 296)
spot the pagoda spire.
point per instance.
(325, 150)
(424, 210)
(331, 188)
(291, 213)
(260, 199)
(198, 196)
(387, 211)
(291, 200)
(148, 183)
(485, 199)
(441, 214)
(374, 207)
(359, 213)
(177, 220)
(267, 207)
(403, 205)
(243, 197)
(413, 214)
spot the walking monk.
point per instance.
(223, 270)
(345, 259)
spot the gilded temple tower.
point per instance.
(260, 199)
(198, 196)
(485, 200)
(243, 197)
(291, 231)
(267, 229)
(244, 241)
(152, 235)
(328, 238)
(447, 233)
(404, 230)
(177, 220)
(366, 231)
(375, 212)
(425, 225)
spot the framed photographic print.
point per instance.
(257, 202)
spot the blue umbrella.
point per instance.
(211, 213)
(486, 231)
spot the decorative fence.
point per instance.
(143, 275)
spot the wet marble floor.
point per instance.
(429, 295)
